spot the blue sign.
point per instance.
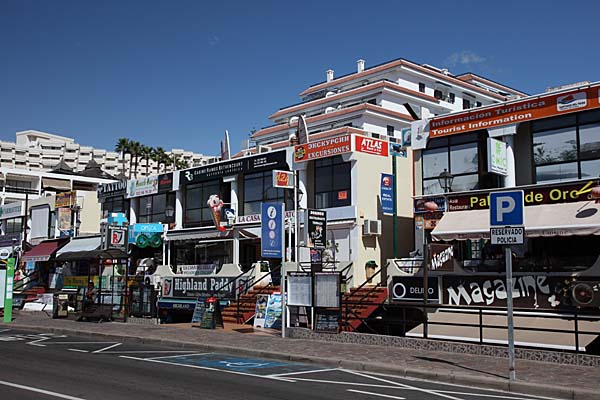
(117, 219)
(144, 235)
(387, 193)
(506, 208)
(272, 230)
(396, 150)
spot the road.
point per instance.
(43, 366)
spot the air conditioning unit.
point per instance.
(372, 227)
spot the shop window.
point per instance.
(566, 148)
(258, 188)
(197, 212)
(191, 252)
(13, 225)
(462, 157)
(332, 182)
(151, 209)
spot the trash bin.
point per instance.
(370, 268)
(60, 305)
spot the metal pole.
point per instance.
(283, 304)
(509, 314)
(288, 254)
(394, 221)
(296, 216)
(425, 289)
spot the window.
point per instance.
(451, 98)
(458, 155)
(115, 205)
(438, 94)
(13, 225)
(421, 87)
(566, 148)
(332, 182)
(390, 130)
(197, 211)
(190, 252)
(258, 188)
(466, 104)
(151, 209)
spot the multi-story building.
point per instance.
(41, 151)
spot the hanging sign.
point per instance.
(65, 199)
(283, 179)
(316, 228)
(272, 230)
(387, 193)
(322, 148)
(370, 145)
(497, 157)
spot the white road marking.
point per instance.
(46, 392)
(497, 396)
(4, 330)
(79, 342)
(377, 394)
(306, 372)
(348, 383)
(431, 392)
(208, 368)
(79, 350)
(176, 355)
(107, 348)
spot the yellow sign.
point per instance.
(66, 199)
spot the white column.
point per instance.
(302, 185)
(133, 205)
(179, 209)
(510, 180)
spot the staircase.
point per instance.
(359, 304)
(247, 305)
(30, 294)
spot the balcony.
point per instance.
(15, 189)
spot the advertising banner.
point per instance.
(497, 157)
(272, 230)
(273, 312)
(65, 199)
(112, 189)
(441, 257)
(12, 210)
(387, 193)
(64, 221)
(316, 228)
(322, 148)
(409, 288)
(165, 183)
(146, 235)
(117, 237)
(517, 111)
(143, 186)
(260, 311)
(283, 179)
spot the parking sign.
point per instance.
(507, 217)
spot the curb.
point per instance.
(527, 388)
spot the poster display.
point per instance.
(299, 290)
(260, 311)
(316, 223)
(327, 289)
(273, 312)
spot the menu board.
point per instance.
(299, 290)
(212, 314)
(198, 310)
(327, 289)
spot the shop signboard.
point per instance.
(421, 206)
(257, 218)
(117, 238)
(533, 195)
(142, 187)
(197, 269)
(257, 163)
(529, 291)
(517, 111)
(406, 137)
(113, 189)
(441, 257)
(327, 320)
(371, 145)
(145, 235)
(316, 228)
(387, 193)
(323, 148)
(283, 179)
(410, 288)
(65, 199)
(12, 210)
(272, 230)
(497, 157)
(396, 150)
(165, 183)
(194, 286)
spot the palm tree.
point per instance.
(155, 156)
(135, 148)
(181, 164)
(122, 147)
(161, 157)
(147, 152)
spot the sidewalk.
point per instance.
(536, 378)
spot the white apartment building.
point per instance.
(42, 151)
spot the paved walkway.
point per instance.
(539, 378)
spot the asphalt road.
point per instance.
(39, 365)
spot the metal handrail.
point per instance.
(234, 279)
(360, 300)
(24, 281)
(251, 285)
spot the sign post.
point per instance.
(506, 228)
(8, 293)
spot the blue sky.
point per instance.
(176, 74)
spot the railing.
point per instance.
(234, 280)
(16, 189)
(25, 280)
(253, 283)
(574, 315)
(361, 301)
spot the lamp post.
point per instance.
(445, 180)
(76, 208)
(169, 212)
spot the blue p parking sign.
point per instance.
(506, 208)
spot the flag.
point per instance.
(302, 132)
(225, 150)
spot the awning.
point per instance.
(543, 339)
(564, 219)
(197, 234)
(58, 184)
(44, 250)
(87, 248)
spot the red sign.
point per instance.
(343, 195)
(322, 148)
(371, 146)
(283, 179)
(517, 111)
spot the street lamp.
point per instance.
(169, 211)
(445, 180)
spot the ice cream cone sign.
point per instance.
(215, 203)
